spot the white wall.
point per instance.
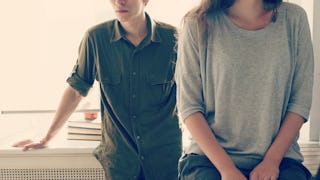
(39, 41)
(39, 44)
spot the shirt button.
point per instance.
(142, 157)
(133, 96)
(133, 117)
(138, 137)
(134, 73)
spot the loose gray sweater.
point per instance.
(244, 82)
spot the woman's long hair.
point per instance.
(210, 6)
(207, 6)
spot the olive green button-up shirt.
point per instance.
(140, 132)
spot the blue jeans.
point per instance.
(199, 167)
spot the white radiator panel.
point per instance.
(311, 154)
(53, 174)
(50, 164)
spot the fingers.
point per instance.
(257, 177)
(33, 146)
(29, 144)
(22, 143)
(254, 176)
(273, 178)
(269, 178)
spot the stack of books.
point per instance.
(84, 130)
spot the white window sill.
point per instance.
(60, 153)
(66, 154)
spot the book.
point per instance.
(77, 130)
(84, 130)
(84, 124)
(88, 137)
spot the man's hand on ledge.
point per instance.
(29, 144)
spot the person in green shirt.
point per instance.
(133, 58)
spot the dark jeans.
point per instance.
(317, 176)
(199, 167)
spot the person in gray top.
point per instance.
(244, 79)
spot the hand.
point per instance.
(29, 144)
(233, 174)
(265, 171)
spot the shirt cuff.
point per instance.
(187, 112)
(79, 84)
(301, 110)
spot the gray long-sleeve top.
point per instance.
(244, 82)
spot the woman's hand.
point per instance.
(29, 144)
(265, 171)
(233, 174)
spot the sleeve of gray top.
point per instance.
(187, 75)
(301, 92)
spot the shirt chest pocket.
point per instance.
(111, 85)
(112, 79)
(159, 88)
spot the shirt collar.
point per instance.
(120, 33)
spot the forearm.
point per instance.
(288, 131)
(68, 104)
(205, 138)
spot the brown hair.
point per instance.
(208, 6)
(205, 7)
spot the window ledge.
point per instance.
(48, 158)
(60, 153)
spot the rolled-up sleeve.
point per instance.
(84, 71)
(302, 84)
(188, 74)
